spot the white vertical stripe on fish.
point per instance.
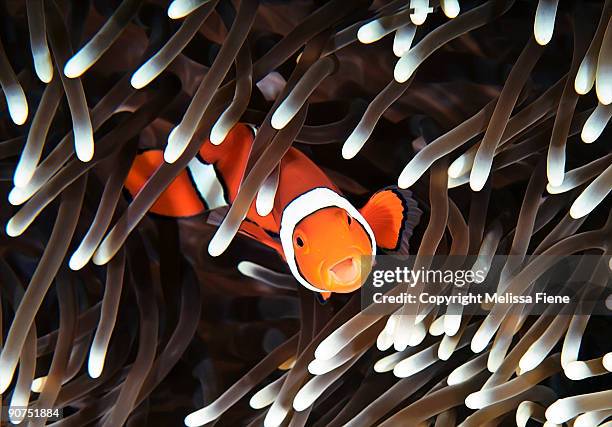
(207, 183)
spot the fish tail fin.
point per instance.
(393, 214)
(179, 199)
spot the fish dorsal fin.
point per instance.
(392, 213)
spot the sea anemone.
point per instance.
(492, 112)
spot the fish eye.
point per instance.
(299, 241)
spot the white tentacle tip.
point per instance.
(197, 418)
(406, 66)
(77, 261)
(479, 343)
(175, 11)
(370, 32)
(23, 175)
(472, 401)
(264, 204)
(404, 182)
(353, 144)
(400, 49)
(280, 118)
(95, 364)
(607, 361)
(45, 75)
(175, 147)
(102, 255)
(171, 154)
(349, 150)
(75, 67)
(401, 75)
(217, 246)
(543, 34)
(558, 412)
(84, 142)
(455, 378)
(18, 108)
(593, 128)
(180, 8)
(585, 78)
(478, 179)
(555, 180)
(604, 92)
(400, 345)
(384, 341)
(189, 422)
(317, 367)
(38, 384)
(5, 379)
(529, 361)
(451, 9)
(16, 196)
(459, 166)
(261, 399)
(553, 190)
(404, 369)
(588, 136)
(218, 133)
(246, 267)
(544, 22)
(302, 400)
(12, 229)
(477, 185)
(576, 370)
(580, 208)
(420, 15)
(543, 38)
(264, 208)
(409, 176)
(274, 417)
(43, 66)
(85, 153)
(139, 79)
(324, 352)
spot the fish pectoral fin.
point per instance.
(323, 297)
(392, 213)
(256, 232)
(248, 228)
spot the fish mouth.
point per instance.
(346, 271)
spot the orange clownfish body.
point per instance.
(327, 243)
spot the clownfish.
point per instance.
(327, 243)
